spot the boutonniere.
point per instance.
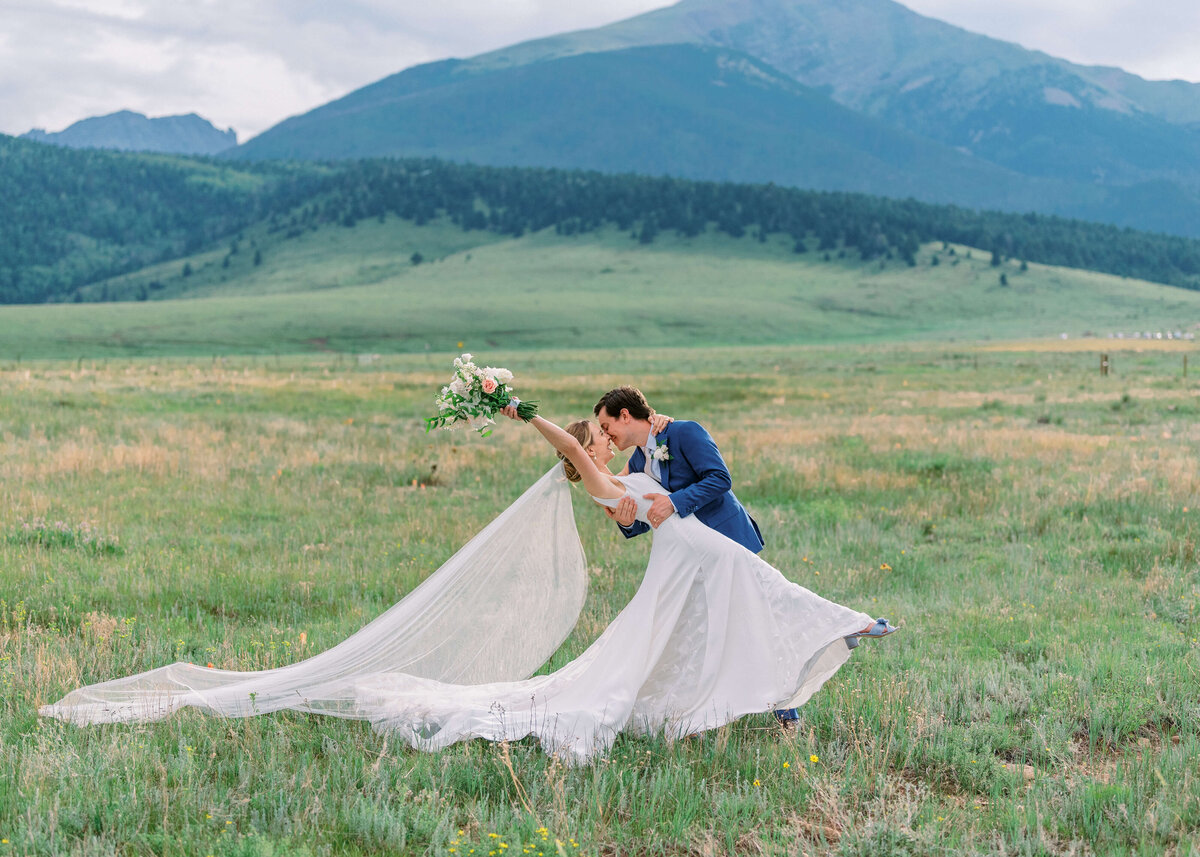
(661, 453)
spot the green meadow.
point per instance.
(351, 290)
(1029, 524)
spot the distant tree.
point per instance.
(1024, 265)
(257, 257)
(142, 293)
(1004, 279)
(800, 246)
(935, 261)
(416, 258)
(187, 269)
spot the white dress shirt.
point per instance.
(652, 467)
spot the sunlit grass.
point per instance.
(355, 290)
(1029, 524)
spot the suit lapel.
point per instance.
(637, 461)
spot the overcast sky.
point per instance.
(247, 64)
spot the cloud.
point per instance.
(245, 65)
(1154, 38)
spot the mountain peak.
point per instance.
(866, 53)
(128, 130)
(927, 109)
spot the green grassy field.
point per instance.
(356, 290)
(1030, 525)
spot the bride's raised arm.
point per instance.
(598, 482)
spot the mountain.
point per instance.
(684, 110)
(927, 110)
(1020, 108)
(134, 132)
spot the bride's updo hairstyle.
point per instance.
(581, 430)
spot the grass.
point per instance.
(1029, 524)
(356, 290)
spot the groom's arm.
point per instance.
(634, 529)
(700, 451)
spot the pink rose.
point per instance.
(489, 385)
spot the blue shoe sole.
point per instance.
(881, 628)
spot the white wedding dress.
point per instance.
(713, 633)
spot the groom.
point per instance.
(685, 460)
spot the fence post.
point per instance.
(1104, 365)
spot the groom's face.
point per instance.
(619, 428)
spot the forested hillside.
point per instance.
(68, 218)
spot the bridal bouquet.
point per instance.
(474, 395)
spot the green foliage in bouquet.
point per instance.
(475, 395)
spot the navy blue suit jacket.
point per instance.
(698, 483)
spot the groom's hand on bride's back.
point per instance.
(661, 509)
(625, 512)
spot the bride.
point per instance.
(713, 633)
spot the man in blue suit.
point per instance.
(685, 460)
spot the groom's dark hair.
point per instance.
(629, 398)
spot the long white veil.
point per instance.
(495, 611)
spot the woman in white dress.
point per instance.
(713, 633)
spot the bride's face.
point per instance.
(601, 447)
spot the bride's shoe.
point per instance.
(881, 628)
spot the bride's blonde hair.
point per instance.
(581, 430)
